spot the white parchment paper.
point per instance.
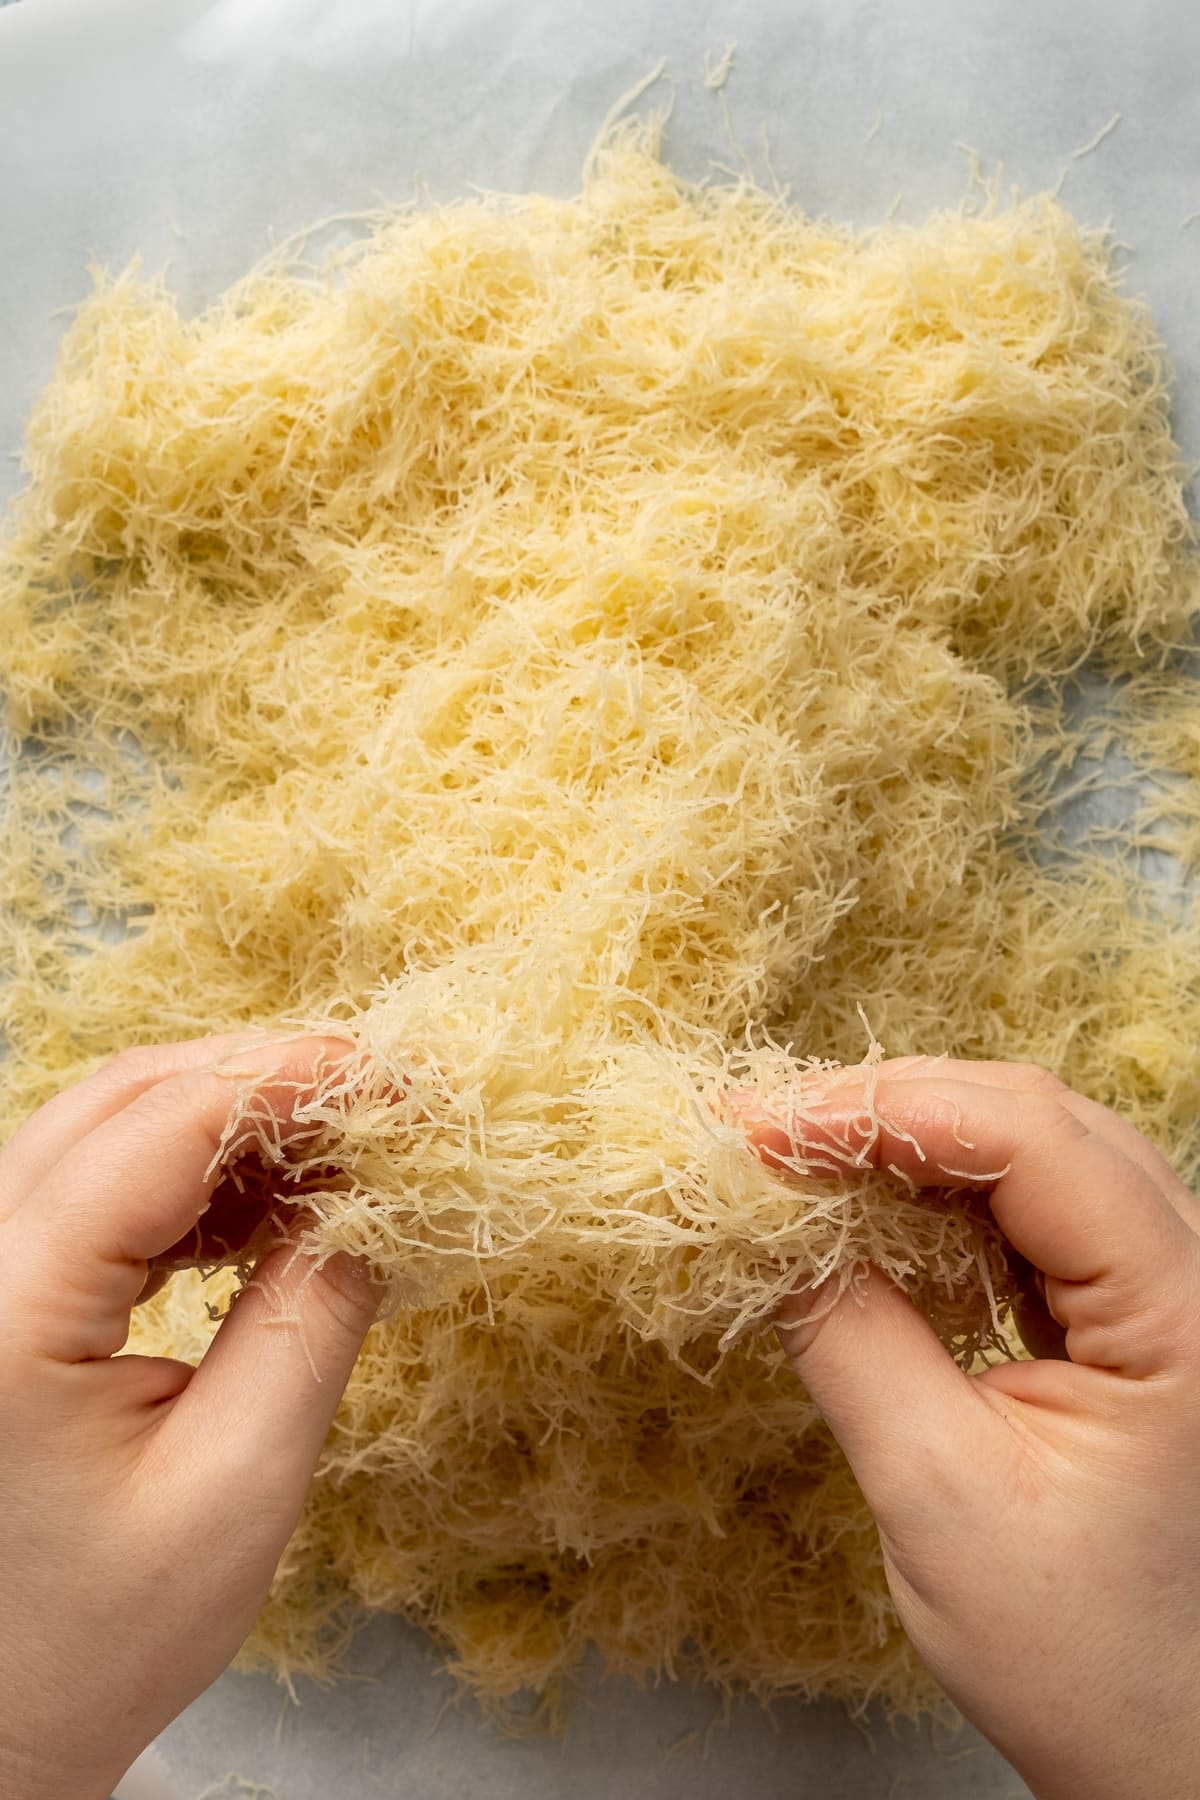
(192, 131)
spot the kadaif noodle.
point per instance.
(585, 651)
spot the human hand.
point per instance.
(1038, 1520)
(144, 1504)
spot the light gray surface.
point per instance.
(388, 1735)
(186, 129)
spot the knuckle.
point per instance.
(172, 1096)
(171, 1115)
(133, 1063)
(1046, 1119)
(1038, 1080)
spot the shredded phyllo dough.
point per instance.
(582, 652)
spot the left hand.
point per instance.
(144, 1503)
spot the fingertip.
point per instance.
(857, 1301)
(808, 1128)
(283, 1355)
(802, 1312)
(297, 1061)
(882, 1380)
(337, 1294)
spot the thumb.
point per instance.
(271, 1380)
(883, 1382)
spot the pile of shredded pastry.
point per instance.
(592, 654)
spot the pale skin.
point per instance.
(1038, 1520)
(144, 1504)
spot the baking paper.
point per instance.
(192, 133)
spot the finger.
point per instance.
(885, 1385)
(1117, 1256)
(154, 1284)
(64, 1121)
(1029, 1077)
(78, 1254)
(237, 1224)
(1044, 1336)
(268, 1387)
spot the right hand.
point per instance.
(1040, 1521)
